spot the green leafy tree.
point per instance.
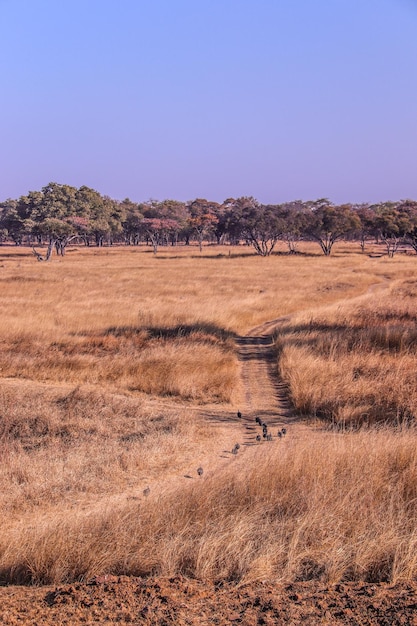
(47, 214)
(367, 228)
(101, 218)
(392, 225)
(294, 217)
(132, 223)
(409, 207)
(260, 225)
(327, 223)
(11, 223)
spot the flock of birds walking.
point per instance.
(266, 436)
(265, 433)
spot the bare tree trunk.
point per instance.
(40, 257)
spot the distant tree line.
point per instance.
(60, 214)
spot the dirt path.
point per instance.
(265, 394)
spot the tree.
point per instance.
(100, 217)
(175, 215)
(220, 228)
(132, 224)
(367, 226)
(294, 221)
(260, 225)
(327, 223)
(157, 230)
(392, 225)
(59, 233)
(117, 216)
(49, 213)
(88, 207)
(409, 207)
(203, 218)
(163, 221)
(232, 225)
(11, 222)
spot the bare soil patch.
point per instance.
(180, 601)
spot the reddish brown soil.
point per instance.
(180, 602)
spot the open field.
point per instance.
(121, 371)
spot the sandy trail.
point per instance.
(265, 396)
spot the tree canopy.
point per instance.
(59, 214)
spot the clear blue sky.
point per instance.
(279, 99)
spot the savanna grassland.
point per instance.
(112, 361)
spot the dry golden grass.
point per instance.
(328, 507)
(93, 290)
(194, 365)
(355, 363)
(107, 360)
(67, 446)
(118, 317)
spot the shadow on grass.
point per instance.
(214, 257)
(233, 255)
(387, 337)
(174, 332)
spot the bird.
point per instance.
(265, 428)
(269, 437)
(239, 414)
(279, 434)
(200, 471)
(258, 437)
(236, 448)
(284, 431)
(258, 421)
(146, 491)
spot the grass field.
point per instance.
(355, 364)
(110, 362)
